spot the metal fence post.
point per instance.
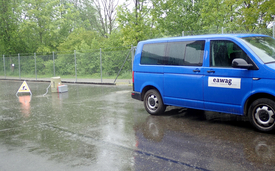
(75, 65)
(19, 66)
(53, 66)
(35, 66)
(4, 65)
(100, 66)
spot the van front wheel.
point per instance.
(153, 102)
(261, 114)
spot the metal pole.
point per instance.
(182, 33)
(4, 65)
(19, 66)
(100, 66)
(53, 66)
(35, 66)
(75, 66)
(222, 30)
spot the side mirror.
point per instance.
(241, 63)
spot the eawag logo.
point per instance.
(220, 80)
(224, 82)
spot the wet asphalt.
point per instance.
(94, 127)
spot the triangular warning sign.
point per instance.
(24, 88)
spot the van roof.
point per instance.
(204, 37)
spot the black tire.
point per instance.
(153, 102)
(261, 114)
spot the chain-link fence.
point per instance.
(97, 66)
(258, 29)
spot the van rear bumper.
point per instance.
(136, 95)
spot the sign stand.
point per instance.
(24, 88)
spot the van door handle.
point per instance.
(196, 70)
(210, 71)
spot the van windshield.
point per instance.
(264, 47)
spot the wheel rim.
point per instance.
(152, 102)
(264, 116)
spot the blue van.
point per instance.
(228, 73)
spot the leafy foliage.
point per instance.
(80, 28)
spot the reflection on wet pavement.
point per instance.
(210, 140)
(25, 104)
(101, 128)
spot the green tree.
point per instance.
(215, 14)
(136, 24)
(9, 24)
(237, 16)
(79, 37)
(47, 23)
(174, 16)
(253, 14)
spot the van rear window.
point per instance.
(153, 54)
(188, 53)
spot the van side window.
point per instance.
(194, 53)
(189, 53)
(153, 54)
(175, 53)
(223, 52)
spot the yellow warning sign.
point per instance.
(24, 88)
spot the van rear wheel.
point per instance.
(261, 114)
(153, 102)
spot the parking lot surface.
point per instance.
(94, 127)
